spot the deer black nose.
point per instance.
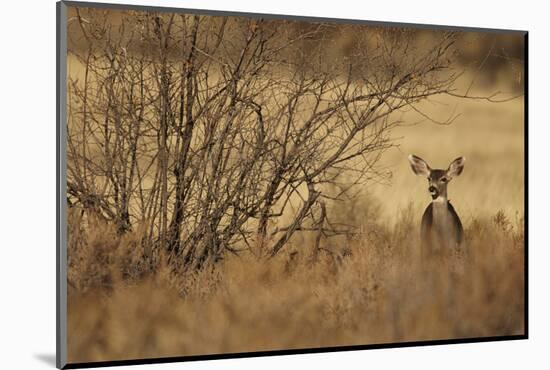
(432, 189)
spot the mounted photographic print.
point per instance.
(235, 184)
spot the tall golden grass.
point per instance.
(375, 290)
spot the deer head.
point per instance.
(437, 179)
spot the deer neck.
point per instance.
(441, 216)
(440, 200)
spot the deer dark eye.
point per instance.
(444, 179)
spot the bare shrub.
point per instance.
(224, 135)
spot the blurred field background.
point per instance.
(362, 288)
(489, 135)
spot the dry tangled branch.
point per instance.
(209, 130)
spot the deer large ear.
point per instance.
(456, 167)
(419, 166)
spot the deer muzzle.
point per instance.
(433, 191)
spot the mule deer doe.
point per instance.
(441, 229)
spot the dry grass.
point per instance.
(375, 290)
